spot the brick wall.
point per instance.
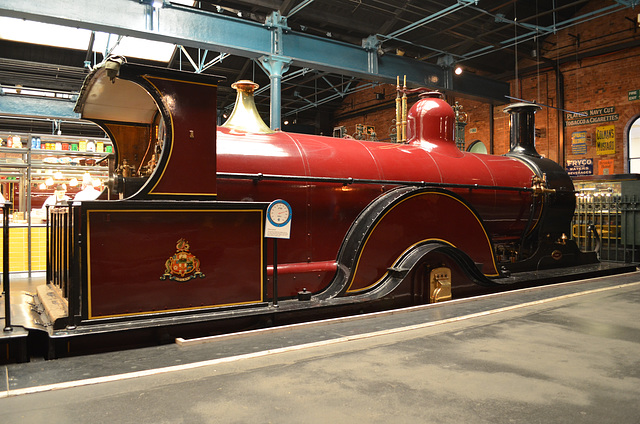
(365, 108)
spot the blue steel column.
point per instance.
(275, 66)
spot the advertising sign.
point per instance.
(579, 143)
(606, 140)
(591, 116)
(605, 167)
(579, 167)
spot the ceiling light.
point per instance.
(458, 70)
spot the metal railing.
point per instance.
(59, 247)
(63, 255)
(609, 224)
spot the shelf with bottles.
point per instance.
(32, 166)
(81, 161)
(55, 143)
(23, 150)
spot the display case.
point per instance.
(32, 166)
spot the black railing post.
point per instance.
(66, 250)
(73, 263)
(48, 244)
(6, 285)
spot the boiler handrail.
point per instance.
(349, 181)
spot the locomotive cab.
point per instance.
(155, 124)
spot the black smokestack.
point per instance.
(523, 126)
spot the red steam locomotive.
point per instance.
(179, 236)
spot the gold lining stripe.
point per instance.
(158, 311)
(185, 194)
(172, 135)
(400, 257)
(151, 190)
(397, 204)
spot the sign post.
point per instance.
(278, 225)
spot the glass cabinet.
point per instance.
(32, 168)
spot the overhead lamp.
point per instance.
(156, 4)
(458, 70)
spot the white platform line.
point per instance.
(182, 367)
(260, 331)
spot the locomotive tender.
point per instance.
(179, 236)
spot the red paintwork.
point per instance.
(323, 212)
(417, 220)
(306, 267)
(191, 166)
(228, 245)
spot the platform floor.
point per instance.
(568, 353)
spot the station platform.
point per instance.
(566, 353)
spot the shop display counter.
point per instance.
(32, 167)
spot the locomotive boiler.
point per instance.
(179, 236)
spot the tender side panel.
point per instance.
(149, 261)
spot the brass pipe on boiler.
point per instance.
(398, 112)
(404, 111)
